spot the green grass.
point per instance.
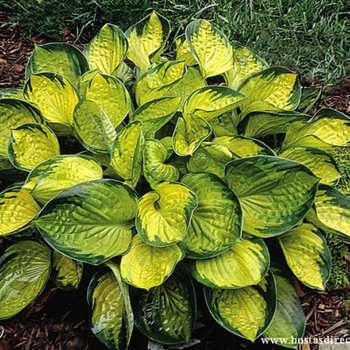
(340, 276)
(308, 36)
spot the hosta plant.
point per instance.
(171, 171)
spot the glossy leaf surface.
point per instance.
(328, 126)
(145, 266)
(54, 95)
(216, 223)
(24, 270)
(288, 322)
(61, 58)
(273, 89)
(246, 312)
(107, 49)
(318, 161)
(210, 47)
(67, 273)
(275, 193)
(332, 209)
(211, 101)
(62, 172)
(146, 40)
(14, 113)
(164, 214)
(111, 315)
(244, 264)
(90, 222)
(307, 255)
(159, 81)
(245, 63)
(167, 313)
(244, 147)
(189, 133)
(18, 202)
(110, 94)
(31, 144)
(210, 157)
(155, 168)
(261, 124)
(92, 127)
(126, 154)
(155, 114)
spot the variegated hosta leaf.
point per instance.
(217, 221)
(105, 161)
(30, 144)
(244, 146)
(332, 210)
(93, 128)
(17, 210)
(273, 89)
(226, 124)
(319, 162)
(145, 267)
(245, 63)
(107, 49)
(211, 101)
(275, 193)
(125, 73)
(109, 93)
(60, 173)
(246, 312)
(288, 322)
(112, 318)
(164, 214)
(126, 154)
(24, 270)
(67, 272)
(328, 125)
(210, 47)
(155, 114)
(154, 86)
(210, 157)
(268, 123)
(155, 169)
(167, 313)
(14, 113)
(61, 58)
(54, 95)
(90, 222)
(189, 133)
(183, 51)
(307, 255)
(244, 264)
(12, 93)
(147, 39)
(162, 77)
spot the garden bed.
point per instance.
(56, 320)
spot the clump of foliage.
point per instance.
(194, 171)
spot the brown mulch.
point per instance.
(57, 320)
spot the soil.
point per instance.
(58, 319)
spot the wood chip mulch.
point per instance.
(327, 316)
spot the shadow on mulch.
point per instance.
(57, 320)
